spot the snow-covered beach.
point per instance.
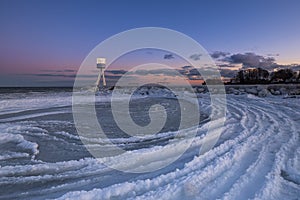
(256, 157)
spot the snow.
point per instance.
(247, 166)
(20, 142)
(257, 156)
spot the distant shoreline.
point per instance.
(71, 87)
(284, 88)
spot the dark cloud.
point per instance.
(182, 71)
(64, 73)
(193, 77)
(226, 66)
(166, 72)
(69, 70)
(55, 75)
(218, 54)
(186, 67)
(112, 77)
(193, 72)
(49, 70)
(251, 60)
(196, 56)
(59, 71)
(188, 71)
(116, 71)
(228, 73)
(168, 56)
(88, 75)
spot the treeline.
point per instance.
(262, 76)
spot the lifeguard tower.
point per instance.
(101, 63)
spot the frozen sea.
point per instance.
(43, 157)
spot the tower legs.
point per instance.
(103, 78)
(101, 74)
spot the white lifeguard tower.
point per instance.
(101, 63)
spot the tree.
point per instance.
(241, 76)
(282, 75)
(263, 74)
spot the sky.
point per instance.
(44, 42)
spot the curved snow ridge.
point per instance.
(85, 170)
(209, 173)
(18, 142)
(135, 140)
(21, 128)
(28, 116)
(34, 129)
(257, 158)
(35, 101)
(279, 176)
(13, 155)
